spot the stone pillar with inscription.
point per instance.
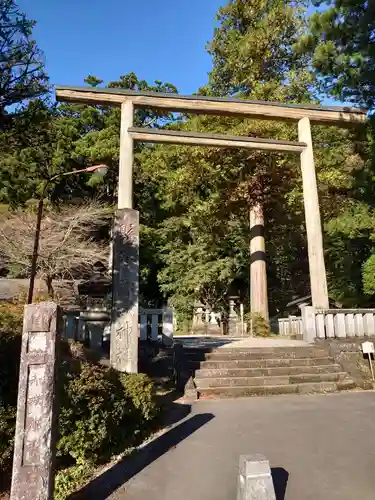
(34, 446)
(124, 329)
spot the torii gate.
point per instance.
(124, 330)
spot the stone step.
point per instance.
(202, 383)
(246, 391)
(254, 354)
(260, 363)
(270, 372)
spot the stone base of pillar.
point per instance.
(125, 284)
(234, 327)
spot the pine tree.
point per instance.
(208, 193)
(341, 41)
(252, 50)
(22, 74)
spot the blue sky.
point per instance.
(108, 38)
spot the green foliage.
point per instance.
(252, 52)
(22, 73)
(349, 246)
(11, 317)
(368, 273)
(46, 140)
(341, 42)
(139, 389)
(68, 480)
(206, 194)
(38, 145)
(101, 411)
(257, 325)
(194, 203)
(7, 430)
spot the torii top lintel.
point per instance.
(329, 115)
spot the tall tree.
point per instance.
(208, 193)
(22, 74)
(341, 41)
(46, 140)
(37, 145)
(100, 144)
(252, 49)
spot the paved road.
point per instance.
(324, 446)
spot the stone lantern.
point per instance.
(234, 298)
(233, 319)
(96, 316)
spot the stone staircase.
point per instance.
(221, 373)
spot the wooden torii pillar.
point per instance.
(258, 272)
(124, 333)
(318, 280)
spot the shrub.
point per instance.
(70, 479)
(102, 411)
(7, 429)
(258, 325)
(11, 317)
(10, 351)
(139, 389)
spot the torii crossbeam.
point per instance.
(124, 331)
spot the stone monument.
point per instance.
(34, 446)
(124, 330)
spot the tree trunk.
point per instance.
(50, 290)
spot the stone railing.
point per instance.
(206, 321)
(73, 326)
(290, 326)
(154, 324)
(337, 323)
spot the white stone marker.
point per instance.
(368, 348)
(255, 479)
(168, 326)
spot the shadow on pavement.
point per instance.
(101, 487)
(280, 480)
(174, 412)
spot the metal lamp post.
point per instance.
(34, 260)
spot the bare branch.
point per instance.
(69, 243)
